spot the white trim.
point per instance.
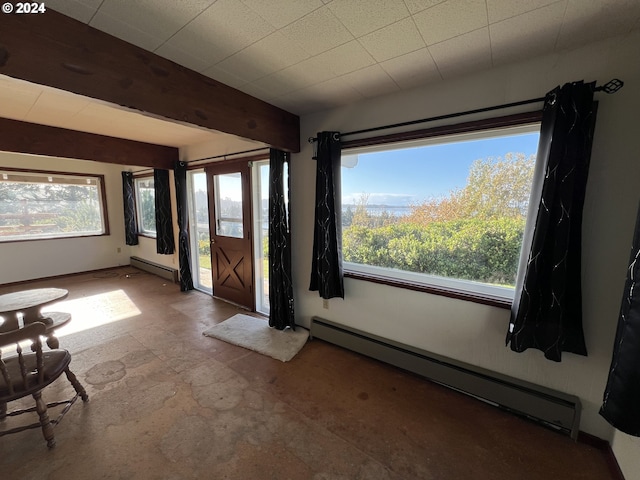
(426, 280)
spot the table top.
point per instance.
(26, 299)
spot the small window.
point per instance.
(445, 212)
(41, 205)
(146, 206)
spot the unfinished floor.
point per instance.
(168, 403)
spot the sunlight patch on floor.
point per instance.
(94, 311)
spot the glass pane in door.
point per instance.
(199, 225)
(261, 234)
(228, 198)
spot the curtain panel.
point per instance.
(621, 403)
(326, 265)
(164, 223)
(281, 313)
(184, 247)
(129, 202)
(547, 308)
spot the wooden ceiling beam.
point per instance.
(58, 51)
(24, 137)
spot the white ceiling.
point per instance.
(308, 55)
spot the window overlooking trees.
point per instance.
(444, 212)
(40, 205)
(146, 206)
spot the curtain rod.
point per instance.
(206, 158)
(226, 155)
(610, 87)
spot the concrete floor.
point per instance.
(168, 403)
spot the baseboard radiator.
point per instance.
(155, 268)
(554, 409)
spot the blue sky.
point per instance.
(412, 175)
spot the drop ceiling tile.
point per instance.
(258, 92)
(157, 18)
(527, 35)
(416, 6)
(586, 22)
(225, 77)
(54, 107)
(413, 69)
(179, 56)
(264, 57)
(393, 40)
(450, 19)
(318, 32)
(226, 27)
(125, 31)
(502, 9)
(301, 75)
(82, 11)
(463, 54)
(325, 95)
(371, 81)
(281, 13)
(365, 16)
(283, 82)
(346, 58)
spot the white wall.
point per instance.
(471, 332)
(45, 258)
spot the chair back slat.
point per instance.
(30, 332)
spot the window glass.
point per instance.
(228, 198)
(146, 206)
(448, 212)
(37, 205)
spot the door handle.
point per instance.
(212, 241)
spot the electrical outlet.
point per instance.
(119, 250)
(325, 304)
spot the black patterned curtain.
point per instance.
(129, 202)
(547, 308)
(164, 223)
(184, 247)
(280, 280)
(621, 405)
(326, 265)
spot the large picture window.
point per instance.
(146, 206)
(40, 205)
(446, 212)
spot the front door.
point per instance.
(230, 232)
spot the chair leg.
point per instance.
(77, 385)
(47, 428)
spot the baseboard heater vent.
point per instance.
(552, 408)
(155, 268)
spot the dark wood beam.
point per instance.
(23, 137)
(55, 50)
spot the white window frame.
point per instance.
(141, 230)
(472, 290)
(61, 178)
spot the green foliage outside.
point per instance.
(49, 208)
(474, 233)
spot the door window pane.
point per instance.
(228, 211)
(199, 225)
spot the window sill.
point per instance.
(146, 235)
(434, 290)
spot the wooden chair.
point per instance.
(28, 373)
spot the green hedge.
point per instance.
(472, 249)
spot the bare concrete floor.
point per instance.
(168, 403)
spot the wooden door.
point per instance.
(230, 231)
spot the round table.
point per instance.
(25, 305)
